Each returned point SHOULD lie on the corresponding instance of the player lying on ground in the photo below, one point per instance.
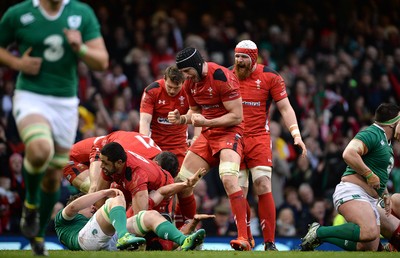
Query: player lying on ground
(74, 224)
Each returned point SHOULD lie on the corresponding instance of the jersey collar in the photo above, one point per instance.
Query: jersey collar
(37, 2)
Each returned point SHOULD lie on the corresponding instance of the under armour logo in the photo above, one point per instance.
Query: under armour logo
(161, 102)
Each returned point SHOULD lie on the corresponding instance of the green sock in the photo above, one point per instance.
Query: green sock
(347, 231)
(32, 185)
(118, 220)
(47, 201)
(169, 232)
(342, 243)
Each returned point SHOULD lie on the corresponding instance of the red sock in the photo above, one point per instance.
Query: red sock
(267, 215)
(395, 239)
(187, 206)
(248, 218)
(178, 218)
(238, 205)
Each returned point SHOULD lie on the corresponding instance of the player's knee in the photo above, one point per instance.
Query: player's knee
(243, 178)
(183, 174)
(59, 161)
(227, 168)
(85, 185)
(261, 176)
(369, 232)
(39, 147)
(143, 222)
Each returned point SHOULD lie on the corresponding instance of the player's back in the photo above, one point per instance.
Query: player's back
(137, 142)
(80, 151)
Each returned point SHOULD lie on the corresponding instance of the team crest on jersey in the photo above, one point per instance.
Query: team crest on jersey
(182, 100)
(210, 91)
(27, 18)
(258, 84)
(74, 21)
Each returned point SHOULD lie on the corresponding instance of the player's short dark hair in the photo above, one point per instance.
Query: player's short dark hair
(386, 112)
(114, 152)
(174, 74)
(168, 161)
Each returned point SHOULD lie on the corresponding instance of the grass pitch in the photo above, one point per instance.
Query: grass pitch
(198, 254)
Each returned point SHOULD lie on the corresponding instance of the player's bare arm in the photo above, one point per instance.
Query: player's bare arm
(88, 200)
(25, 64)
(144, 123)
(171, 189)
(92, 52)
(140, 201)
(289, 117)
(352, 156)
(176, 118)
(101, 185)
(233, 117)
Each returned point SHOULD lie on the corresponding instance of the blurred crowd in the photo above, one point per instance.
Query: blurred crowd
(340, 60)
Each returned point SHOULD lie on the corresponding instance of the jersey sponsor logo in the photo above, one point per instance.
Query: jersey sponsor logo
(74, 21)
(163, 120)
(161, 102)
(209, 106)
(27, 18)
(252, 103)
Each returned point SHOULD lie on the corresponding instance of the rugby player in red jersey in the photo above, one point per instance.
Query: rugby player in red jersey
(216, 106)
(259, 86)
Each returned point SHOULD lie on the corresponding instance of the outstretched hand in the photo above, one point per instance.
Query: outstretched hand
(113, 192)
(191, 181)
(203, 216)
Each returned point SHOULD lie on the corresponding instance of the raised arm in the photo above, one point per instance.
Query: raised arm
(88, 200)
(171, 189)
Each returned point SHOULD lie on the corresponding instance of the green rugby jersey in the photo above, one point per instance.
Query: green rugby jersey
(29, 26)
(380, 156)
(68, 230)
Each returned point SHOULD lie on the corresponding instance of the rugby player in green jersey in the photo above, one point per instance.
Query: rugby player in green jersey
(52, 36)
(78, 229)
(370, 159)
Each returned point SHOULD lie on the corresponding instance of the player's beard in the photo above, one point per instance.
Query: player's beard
(242, 71)
(110, 172)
